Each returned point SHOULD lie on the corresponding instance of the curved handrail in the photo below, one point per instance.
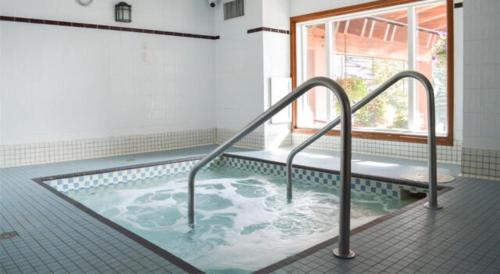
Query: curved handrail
(345, 165)
(432, 203)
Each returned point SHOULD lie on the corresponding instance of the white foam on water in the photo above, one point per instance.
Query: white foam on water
(242, 223)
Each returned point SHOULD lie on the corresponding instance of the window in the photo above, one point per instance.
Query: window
(361, 50)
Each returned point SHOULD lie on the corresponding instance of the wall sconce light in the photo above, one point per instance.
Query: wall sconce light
(123, 12)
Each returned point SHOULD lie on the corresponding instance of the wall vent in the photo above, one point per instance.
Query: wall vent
(234, 9)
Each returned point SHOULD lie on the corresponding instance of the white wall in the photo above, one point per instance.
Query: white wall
(62, 83)
(276, 13)
(301, 7)
(239, 63)
(458, 26)
(239, 96)
(245, 62)
(143, 83)
(482, 75)
(176, 15)
(276, 55)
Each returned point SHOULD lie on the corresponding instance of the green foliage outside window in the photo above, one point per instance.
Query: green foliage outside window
(396, 98)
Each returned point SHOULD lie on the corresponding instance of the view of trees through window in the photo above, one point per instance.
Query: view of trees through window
(362, 52)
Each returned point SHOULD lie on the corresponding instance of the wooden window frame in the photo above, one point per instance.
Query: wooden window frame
(387, 136)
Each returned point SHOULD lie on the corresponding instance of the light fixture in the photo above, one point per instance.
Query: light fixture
(123, 12)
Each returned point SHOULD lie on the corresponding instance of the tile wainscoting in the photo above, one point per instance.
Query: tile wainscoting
(481, 163)
(256, 139)
(50, 152)
(413, 151)
(274, 136)
(278, 135)
(71, 183)
(70, 150)
(474, 162)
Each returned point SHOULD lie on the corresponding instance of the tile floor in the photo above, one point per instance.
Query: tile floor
(55, 236)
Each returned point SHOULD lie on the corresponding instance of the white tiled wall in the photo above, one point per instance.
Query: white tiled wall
(239, 95)
(64, 83)
(75, 93)
(39, 110)
(482, 74)
(276, 55)
(481, 88)
(300, 7)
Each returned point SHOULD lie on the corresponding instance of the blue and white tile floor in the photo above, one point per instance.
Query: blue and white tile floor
(55, 236)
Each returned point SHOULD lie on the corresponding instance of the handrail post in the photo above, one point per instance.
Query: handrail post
(343, 250)
(431, 139)
(431, 144)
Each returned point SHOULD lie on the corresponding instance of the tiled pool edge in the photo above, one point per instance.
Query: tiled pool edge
(403, 183)
(113, 177)
(120, 168)
(330, 178)
(165, 254)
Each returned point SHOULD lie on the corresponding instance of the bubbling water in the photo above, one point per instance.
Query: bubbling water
(243, 223)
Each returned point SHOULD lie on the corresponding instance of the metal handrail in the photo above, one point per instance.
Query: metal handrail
(433, 202)
(345, 163)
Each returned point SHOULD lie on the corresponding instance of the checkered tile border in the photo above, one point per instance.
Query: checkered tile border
(319, 177)
(123, 176)
(66, 185)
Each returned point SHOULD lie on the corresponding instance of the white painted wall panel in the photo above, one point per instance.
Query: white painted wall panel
(481, 75)
(300, 7)
(239, 58)
(62, 83)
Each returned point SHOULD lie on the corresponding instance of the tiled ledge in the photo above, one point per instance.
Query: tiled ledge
(308, 175)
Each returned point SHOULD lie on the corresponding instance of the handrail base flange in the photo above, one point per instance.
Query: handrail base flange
(349, 256)
(438, 207)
